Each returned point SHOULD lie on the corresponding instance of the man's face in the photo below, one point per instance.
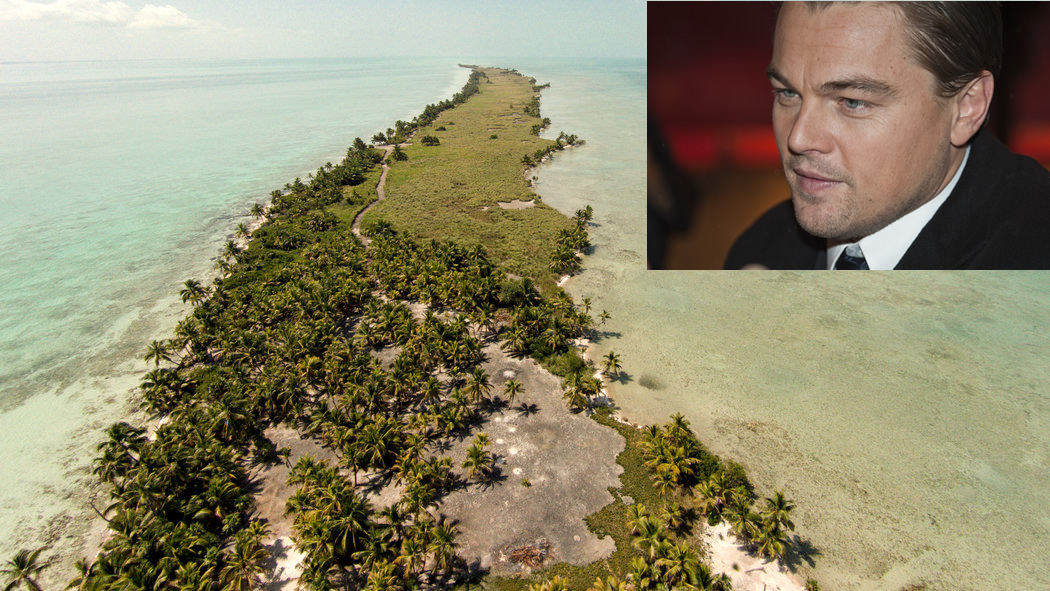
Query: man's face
(862, 136)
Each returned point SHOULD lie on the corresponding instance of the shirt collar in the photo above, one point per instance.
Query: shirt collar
(885, 248)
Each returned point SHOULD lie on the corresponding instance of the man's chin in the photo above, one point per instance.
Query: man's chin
(820, 221)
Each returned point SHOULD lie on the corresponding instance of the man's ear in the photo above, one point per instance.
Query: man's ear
(972, 105)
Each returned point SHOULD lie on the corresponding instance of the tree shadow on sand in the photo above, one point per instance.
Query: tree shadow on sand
(275, 578)
(528, 409)
(495, 405)
(600, 335)
(493, 476)
(800, 551)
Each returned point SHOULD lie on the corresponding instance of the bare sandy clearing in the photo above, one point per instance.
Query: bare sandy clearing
(569, 462)
(517, 204)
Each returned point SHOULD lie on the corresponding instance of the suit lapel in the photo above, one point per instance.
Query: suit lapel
(957, 232)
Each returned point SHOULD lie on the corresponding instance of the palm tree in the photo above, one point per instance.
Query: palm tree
(412, 556)
(381, 577)
(478, 460)
(778, 511)
(193, 292)
(478, 386)
(511, 388)
(430, 390)
(677, 429)
(158, 351)
(611, 363)
(715, 492)
(576, 391)
(679, 564)
(244, 565)
(22, 568)
(586, 305)
(642, 574)
(635, 514)
(676, 516)
(771, 540)
(649, 536)
(739, 515)
(443, 545)
(376, 550)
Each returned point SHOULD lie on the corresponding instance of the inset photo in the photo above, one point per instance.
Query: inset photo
(848, 136)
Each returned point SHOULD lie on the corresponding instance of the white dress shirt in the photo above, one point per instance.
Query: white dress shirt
(885, 248)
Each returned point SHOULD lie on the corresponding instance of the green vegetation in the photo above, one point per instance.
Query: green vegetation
(453, 192)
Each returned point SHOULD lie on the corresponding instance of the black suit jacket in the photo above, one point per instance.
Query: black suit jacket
(997, 217)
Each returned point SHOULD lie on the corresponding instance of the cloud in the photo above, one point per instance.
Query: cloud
(101, 12)
(162, 17)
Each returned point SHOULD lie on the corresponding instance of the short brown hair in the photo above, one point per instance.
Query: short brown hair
(954, 41)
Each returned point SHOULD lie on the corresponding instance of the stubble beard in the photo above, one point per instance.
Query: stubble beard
(840, 218)
(826, 216)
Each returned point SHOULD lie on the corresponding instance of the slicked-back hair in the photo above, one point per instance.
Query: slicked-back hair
(954, 41)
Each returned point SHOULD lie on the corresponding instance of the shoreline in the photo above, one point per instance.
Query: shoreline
(725, 553)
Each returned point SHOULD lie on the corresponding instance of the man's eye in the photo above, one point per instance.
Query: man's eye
(853, 104)
(783, 93)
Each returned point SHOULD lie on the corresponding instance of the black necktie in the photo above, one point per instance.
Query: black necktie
(851, 262)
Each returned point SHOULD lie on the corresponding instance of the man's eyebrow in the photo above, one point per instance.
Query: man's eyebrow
(866, 85)
(775, 74)
(863, 84)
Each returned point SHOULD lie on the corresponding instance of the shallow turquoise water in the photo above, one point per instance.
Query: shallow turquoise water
(118, 181)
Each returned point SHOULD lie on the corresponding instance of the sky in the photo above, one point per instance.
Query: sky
(62, 30)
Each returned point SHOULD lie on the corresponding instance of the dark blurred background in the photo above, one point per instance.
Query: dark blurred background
(713, 162)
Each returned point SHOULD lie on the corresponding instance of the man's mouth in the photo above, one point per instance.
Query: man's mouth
(812, 182)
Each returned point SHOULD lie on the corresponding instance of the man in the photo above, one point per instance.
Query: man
(877, 112)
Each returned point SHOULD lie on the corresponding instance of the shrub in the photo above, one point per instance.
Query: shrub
(565, 364)
(493, 136)
(429, 140)
(735, 476)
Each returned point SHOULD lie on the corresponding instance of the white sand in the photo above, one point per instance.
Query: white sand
(287, 559)
(751, 573)
(517, 204)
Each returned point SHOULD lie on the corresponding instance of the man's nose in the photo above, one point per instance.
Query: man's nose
(809, 131)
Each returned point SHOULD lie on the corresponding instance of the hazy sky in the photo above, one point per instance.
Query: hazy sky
(32, 30)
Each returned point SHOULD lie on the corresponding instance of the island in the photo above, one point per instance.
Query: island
(385, 387)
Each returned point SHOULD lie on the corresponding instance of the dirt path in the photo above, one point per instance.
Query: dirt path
(356, 227)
